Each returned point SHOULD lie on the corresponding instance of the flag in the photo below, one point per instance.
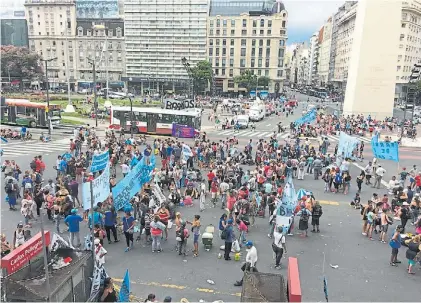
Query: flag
(4, 139)
(125, 288)
(325, 289)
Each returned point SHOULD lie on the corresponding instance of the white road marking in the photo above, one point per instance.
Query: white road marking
(269, 124)
(247, 133)
(268, 135)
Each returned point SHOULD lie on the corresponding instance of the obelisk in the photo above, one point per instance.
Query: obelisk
(371, 80)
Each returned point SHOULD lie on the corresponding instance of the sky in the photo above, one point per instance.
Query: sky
(307, 16)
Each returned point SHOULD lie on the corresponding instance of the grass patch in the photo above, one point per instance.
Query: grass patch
(76, 114)
(72, 122)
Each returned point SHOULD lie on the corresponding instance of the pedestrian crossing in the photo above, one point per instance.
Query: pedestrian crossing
(267, 134)
(34, 147)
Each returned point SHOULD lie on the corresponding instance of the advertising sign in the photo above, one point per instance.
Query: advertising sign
(182, 131)
(24, 253)
(179, 104)
(97, 9)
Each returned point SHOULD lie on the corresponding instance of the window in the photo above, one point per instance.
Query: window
(216, 61)
(261, 42)
(244, 32)
(269, 32)
(281, 42)
(242, 62)
(253, 62)
(232, 42)
(283, 24)
(268, 42)
(232, 22)
(218, 23)
(243, 52)
(281, 53)
(269, 23)
(223, 71)
(211, 23)
(262, 32)
(282, 32)
(266, 72)
(216, 71)
(211, 32)
(254, 32)
(118, 32)
(259, 72)
(224, 23)
(224, 51)
(243, 42)
(218, 32)
(268, 52)
(231, 52)
(224, 32)
(253, 42)
(210, 51)
(217, 52)
(280, 62)
(280, 72)
(403, 25)
(231, 74)
(224, 62)
(262, 23)
(259, 63)
(88, 33)
(232, 32)
(211, 42)
(217, 42)
(254, 23)
(231, 62)
(230, 83)
(253, 52)
(244, 22)
(267, 63)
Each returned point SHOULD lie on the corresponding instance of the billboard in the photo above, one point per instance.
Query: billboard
(97, 9)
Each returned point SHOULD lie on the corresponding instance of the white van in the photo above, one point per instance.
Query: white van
(256, 113)
(243, 121)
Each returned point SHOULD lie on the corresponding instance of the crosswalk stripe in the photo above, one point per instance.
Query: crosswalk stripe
(268, 135)
(224, 132)
(256, 134)
(262, 134)
(247, 133)
(284, 135)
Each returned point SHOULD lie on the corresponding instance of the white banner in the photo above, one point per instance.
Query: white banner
(101, 189)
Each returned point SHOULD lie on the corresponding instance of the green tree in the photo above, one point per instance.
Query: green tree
(264, 81)
(247, 80)
(202, 76)
(20, 63)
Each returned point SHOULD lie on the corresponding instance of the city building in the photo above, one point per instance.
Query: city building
(299, 66)
(325, 40)
(158, 34)
(14, 30)
(102, 40)
(313, 59)
(247, 35)
(51, 33)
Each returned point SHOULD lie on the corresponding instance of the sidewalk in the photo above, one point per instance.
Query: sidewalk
(90, 121)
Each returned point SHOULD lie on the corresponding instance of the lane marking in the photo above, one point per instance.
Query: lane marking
(325, 202)
(268, 135)
(178, 287)
(247, 133)
(269, 124)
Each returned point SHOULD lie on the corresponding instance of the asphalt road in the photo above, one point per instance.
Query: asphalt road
(363, 265)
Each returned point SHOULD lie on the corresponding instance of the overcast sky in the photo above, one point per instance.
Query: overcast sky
(305, 16)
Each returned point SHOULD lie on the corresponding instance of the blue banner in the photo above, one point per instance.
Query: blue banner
(286, 205)
(346, 146)
(99, 162)
(132, 183)
(307, 118)
(124, 294)
(385, 150)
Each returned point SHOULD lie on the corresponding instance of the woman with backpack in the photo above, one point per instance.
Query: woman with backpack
(181, 236)
(304, 215)
(12, 192)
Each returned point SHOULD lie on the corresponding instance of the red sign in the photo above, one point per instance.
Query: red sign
(24, 253)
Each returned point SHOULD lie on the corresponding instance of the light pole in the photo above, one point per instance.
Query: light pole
(93, 62)
(69, 107)
(104, 50)
(131, 117)
(257, 84)
(188, 68)
(415, 75)
(48, 94)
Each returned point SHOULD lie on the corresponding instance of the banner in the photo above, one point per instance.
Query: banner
(307, 118)
(99, 162)
(100, 187)
(96, 283)
(124, 294)
(58, 242)
(287, 205)
(346, 146)
(385, 150)
(182, 131)
(132, 183)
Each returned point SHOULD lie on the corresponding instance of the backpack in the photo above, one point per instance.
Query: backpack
(38, 178)
(8, 188)
(28, 185)
(179, 235)
(32, 165)
(304, 217)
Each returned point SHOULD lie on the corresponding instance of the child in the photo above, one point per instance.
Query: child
(357, 201)
(242, 227)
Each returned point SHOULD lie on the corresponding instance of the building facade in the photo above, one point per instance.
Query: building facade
(158, 34)
(299, 66)
(324, 53)
(51, 33)
(313, 59)
(14, 32)
(244, 38)
(102, 40)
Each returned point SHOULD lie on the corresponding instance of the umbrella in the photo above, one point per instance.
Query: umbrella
(301, 193)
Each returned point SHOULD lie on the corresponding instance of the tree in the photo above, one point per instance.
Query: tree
(202, 75)
(20, 63)
(249, 80)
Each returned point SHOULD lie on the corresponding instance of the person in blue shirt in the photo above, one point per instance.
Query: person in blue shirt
(97, 218)
(73, 222)
(63, 166)
(110, 219)
(128, 228)
(229, 238)
(27, 184)
(147, 153)
(134, 161)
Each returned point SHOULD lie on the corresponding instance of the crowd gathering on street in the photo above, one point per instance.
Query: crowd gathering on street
(246, 182)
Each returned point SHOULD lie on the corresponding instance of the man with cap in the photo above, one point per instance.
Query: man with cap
(73, 221)
(100, 252)
(251, 260)
(229, 238)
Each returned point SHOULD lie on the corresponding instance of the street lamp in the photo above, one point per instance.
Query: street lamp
(69, 107)
(415, 76)
(48, 95)
(93, 62)
(131, 117)
(188, 68)
(105, 49)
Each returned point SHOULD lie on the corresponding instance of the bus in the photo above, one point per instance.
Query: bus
(22, 112)
(153, 120)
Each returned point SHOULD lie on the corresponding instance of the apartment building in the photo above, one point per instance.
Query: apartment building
(247, 35)
(299, 66)
(325, 41)
(313, 59)
(51, 33)
(158, 34)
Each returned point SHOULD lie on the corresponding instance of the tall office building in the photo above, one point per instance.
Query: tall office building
(247, 35)
(158, 34)
(313, 59)
(14, 30)
(325, 41)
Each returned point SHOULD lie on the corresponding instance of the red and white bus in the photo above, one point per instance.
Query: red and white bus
(154, 120)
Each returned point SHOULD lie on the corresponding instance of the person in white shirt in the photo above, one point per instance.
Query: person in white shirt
(380, 171)
(251, 260)
(278, 245)
(125, 169)
(100, 252)
(393, 184)
(223, 187)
